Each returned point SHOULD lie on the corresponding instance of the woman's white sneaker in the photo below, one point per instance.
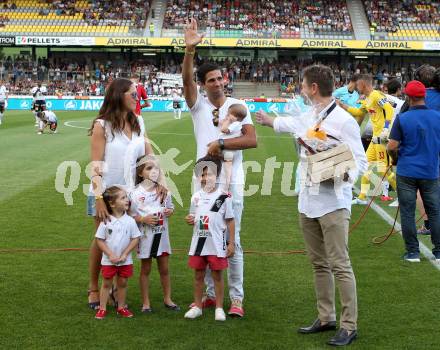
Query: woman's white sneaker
(220, 314)
(194, 312)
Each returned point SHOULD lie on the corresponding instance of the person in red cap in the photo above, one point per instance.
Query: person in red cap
(415, 137)
(416, 89)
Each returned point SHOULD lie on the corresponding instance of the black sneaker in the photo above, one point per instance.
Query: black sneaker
(412, 257)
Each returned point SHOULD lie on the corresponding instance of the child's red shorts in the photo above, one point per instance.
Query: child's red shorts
(109, 271)
(214, 262)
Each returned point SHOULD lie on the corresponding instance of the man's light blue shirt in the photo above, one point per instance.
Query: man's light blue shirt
(343, 95)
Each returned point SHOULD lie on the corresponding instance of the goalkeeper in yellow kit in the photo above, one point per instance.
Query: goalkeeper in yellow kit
(381, 114)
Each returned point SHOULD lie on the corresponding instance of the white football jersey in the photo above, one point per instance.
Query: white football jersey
(38, 93)
(155, 240)
(117, 234)
(396, 102)
(50, 117)
(210, 212)
(176, 96)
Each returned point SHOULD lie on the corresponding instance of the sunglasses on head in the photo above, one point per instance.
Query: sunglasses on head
(215, 116)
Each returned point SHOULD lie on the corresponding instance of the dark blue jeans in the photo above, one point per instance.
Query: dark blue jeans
(407, 193)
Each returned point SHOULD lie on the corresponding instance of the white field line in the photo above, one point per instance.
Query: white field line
(426, 252)
(69, 124)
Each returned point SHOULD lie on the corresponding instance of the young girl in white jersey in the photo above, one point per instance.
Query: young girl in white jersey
(152, 218)
(116, 238)
(211, 214)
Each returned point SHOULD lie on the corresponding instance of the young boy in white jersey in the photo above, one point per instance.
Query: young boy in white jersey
(46, 118)
(212, 216)
(230, 127)
(116, 238)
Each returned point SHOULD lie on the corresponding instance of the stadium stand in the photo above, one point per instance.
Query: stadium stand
(74, 18)
(404, 20)
(278, 74)
(90, 76)
(272, 19)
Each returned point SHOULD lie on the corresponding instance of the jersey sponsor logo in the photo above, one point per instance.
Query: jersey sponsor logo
(382, 101)
(203, 226)
(160, 219)
(158, 228)
(204, 222)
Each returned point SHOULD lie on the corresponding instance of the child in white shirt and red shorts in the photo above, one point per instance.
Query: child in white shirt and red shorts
(211, 214)
(116, 238)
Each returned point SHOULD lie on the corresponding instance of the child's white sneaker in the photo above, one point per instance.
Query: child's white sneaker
(220, 314)
(194, 312)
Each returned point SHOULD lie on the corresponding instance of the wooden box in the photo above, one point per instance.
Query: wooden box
(329, 164)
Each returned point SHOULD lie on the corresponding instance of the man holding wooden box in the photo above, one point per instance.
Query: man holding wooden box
(325, 206)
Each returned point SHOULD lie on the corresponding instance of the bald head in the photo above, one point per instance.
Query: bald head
(238, 110)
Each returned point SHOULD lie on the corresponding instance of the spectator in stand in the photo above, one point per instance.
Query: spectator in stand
(271, 19)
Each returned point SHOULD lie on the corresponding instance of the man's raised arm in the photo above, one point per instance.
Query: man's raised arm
(192, 39)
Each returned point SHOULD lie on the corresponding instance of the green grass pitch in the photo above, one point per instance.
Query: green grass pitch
(43, 293)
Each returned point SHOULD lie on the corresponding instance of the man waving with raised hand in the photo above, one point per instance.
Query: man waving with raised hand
(207, 112)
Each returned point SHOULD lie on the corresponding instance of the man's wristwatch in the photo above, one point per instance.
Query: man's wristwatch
(221, 142)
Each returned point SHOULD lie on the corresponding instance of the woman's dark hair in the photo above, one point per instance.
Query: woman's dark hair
(110, 195)
(204, 69)
(114, 106)
(205, 162)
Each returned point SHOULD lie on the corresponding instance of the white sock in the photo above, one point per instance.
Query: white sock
(1, 117)
(179, 113)
(385, 187)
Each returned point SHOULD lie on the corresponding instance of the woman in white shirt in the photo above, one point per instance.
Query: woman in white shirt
(118, 138)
